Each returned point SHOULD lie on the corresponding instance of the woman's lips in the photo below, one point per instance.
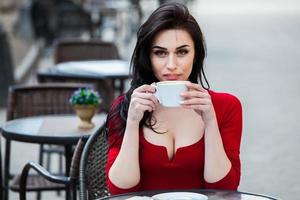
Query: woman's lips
(171, 77)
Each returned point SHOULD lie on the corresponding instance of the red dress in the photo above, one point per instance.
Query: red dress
(185, 170)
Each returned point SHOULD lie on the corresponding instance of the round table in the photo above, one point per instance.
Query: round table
(115, 70)
(49, 129)
(211, 194)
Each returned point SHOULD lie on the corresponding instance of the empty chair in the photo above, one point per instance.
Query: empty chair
(79, 50)
(71, 20)
(34, 100)
(70, 181)
(41, 99)
(41, 18)
(52, 19)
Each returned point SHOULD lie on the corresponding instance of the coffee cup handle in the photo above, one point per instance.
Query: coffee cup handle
(156, 92)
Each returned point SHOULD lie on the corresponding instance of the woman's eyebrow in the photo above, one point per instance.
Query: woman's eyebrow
(180, 47)
(158, 47)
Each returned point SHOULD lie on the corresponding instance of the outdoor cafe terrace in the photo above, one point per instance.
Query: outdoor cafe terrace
(68, 45)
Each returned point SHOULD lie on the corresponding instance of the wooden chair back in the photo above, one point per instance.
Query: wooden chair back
(79, 50)
(41, 99)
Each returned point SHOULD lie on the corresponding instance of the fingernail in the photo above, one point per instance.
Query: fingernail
(181, 102)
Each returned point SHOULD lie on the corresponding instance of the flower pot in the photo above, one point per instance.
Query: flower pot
(85, 113)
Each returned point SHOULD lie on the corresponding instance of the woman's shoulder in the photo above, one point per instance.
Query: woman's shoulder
(224, 101)
(116, 102)
(227, 106)
(114, 121)
(114, 112)
(223, 98)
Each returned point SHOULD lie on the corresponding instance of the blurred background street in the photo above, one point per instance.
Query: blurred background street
(253, 52)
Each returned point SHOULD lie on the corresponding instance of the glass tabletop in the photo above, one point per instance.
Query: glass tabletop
(52, 129)
(95, 67)
(192, 195)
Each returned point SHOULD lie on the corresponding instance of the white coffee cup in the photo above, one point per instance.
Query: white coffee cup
(168, 92)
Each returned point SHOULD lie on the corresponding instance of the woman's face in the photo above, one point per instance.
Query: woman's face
(172, 55)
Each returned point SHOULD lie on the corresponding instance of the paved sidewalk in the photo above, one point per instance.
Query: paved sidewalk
(254, 53)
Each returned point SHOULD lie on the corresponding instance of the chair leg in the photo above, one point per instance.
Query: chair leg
(48, 160)
(38, 197)
(41, 157)
(6, 169)
(48, 164)
(1, 179)
(61, 163)
(60, 168)
(41, 160)
(74, 190)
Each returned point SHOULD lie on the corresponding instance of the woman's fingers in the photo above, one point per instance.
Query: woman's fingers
(195, 91)
(143, 107)
(145, 102)
(143, 98)
(145, 89)
(201, 108)
(197, 87)
(196, 101)
(196, 98)
(149, 96)
(199, 99)
(195, 94)
(145, 92)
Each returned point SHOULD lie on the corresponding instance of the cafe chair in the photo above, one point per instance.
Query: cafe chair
(40, 99)
(59, 19)
(92, 175)
(70, 20)
(34, 100)
(79, 50)
(70, 182)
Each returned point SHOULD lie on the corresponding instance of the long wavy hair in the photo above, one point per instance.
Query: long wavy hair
(168, 16)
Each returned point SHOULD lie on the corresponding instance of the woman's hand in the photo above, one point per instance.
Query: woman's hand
(198, 98)
(142, 99)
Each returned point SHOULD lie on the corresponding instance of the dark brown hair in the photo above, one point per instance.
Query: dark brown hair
(167, 16)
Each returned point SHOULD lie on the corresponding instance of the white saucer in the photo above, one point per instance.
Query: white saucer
(180, 196)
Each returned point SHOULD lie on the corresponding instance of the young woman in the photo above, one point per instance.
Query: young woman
(153, 147)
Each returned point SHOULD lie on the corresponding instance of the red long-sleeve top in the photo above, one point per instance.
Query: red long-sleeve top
(185, 170)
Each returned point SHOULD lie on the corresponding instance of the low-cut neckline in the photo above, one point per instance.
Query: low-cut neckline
(166, 150)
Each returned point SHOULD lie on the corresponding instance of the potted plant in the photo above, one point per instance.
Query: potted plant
(85, 102)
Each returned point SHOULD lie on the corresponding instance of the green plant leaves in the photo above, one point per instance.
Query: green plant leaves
(85, 96)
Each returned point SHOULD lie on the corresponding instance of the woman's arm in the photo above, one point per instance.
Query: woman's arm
(229, 117)
(218, 162)
(125, 170)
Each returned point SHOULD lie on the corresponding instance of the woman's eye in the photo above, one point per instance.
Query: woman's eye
(160, 53)
(182, 52)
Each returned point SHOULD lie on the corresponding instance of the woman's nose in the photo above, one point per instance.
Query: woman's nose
(171, 62)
